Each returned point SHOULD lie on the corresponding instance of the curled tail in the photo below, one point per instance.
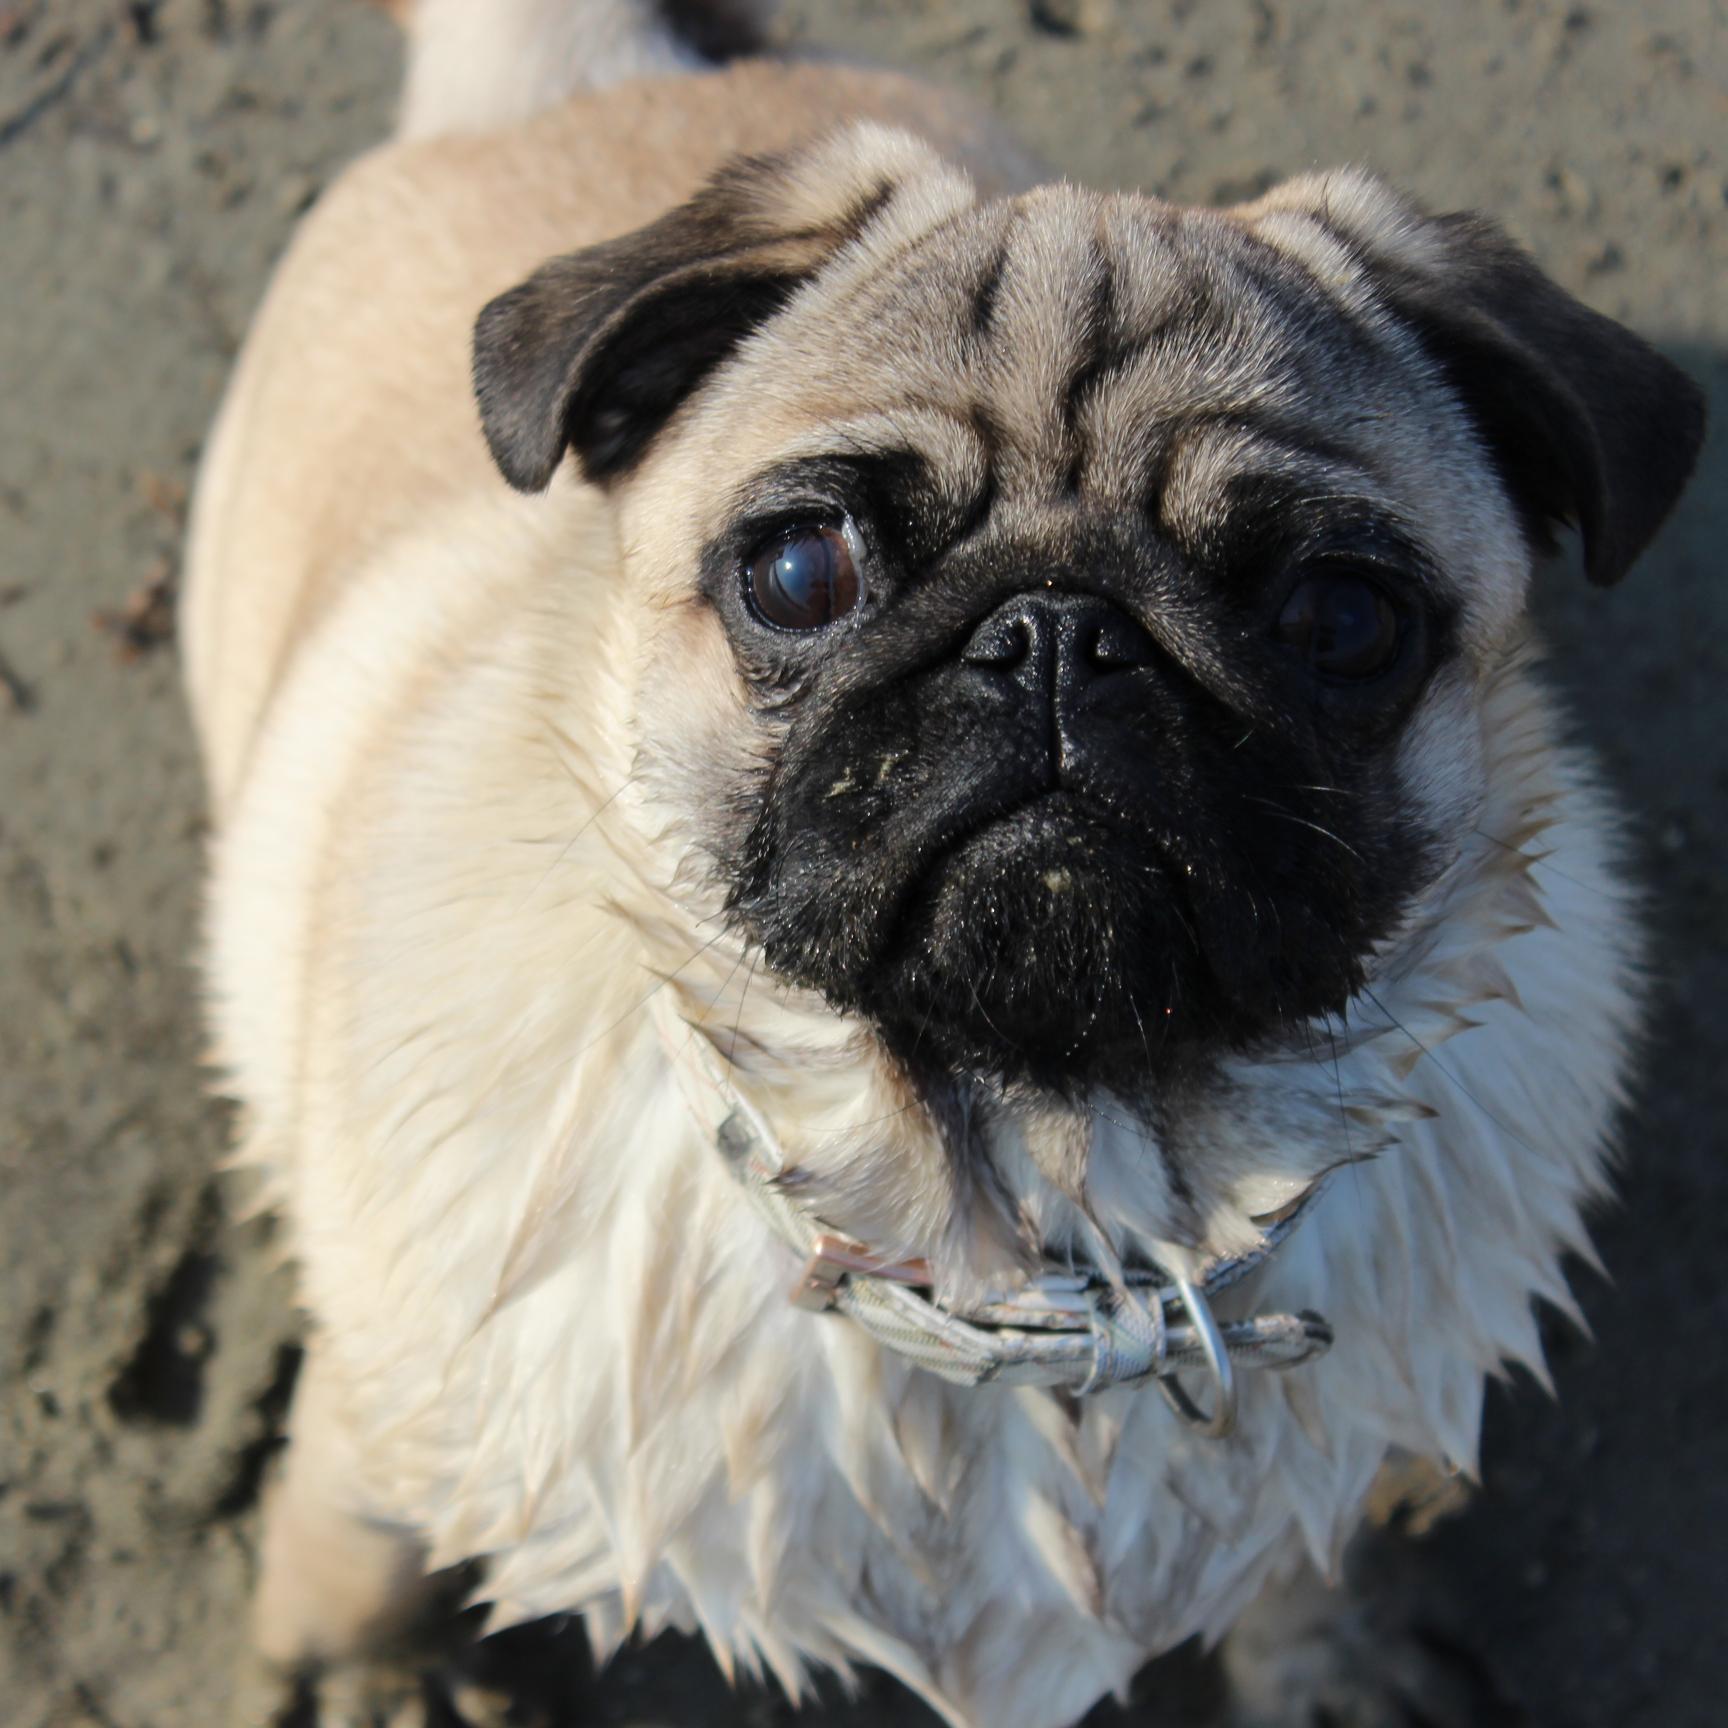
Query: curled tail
(477, 64)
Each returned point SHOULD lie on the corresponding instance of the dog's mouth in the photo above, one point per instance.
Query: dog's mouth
(1011, 947)
(1112, 921)
(1048, 833)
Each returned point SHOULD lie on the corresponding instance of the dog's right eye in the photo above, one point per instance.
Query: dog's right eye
(804, 580)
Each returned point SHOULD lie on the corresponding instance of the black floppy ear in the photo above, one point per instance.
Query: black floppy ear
(597, 349)
(1587, 424)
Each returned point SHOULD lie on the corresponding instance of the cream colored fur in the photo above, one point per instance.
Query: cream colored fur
(475, 67)
(455, 968)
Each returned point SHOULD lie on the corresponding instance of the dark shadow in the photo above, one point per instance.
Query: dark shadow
(1591, 1570)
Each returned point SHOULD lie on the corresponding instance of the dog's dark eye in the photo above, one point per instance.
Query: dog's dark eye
(804, 580)
(1341, 624)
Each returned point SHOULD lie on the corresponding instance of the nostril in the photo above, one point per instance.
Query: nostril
(1002, 642)
(1116, 644)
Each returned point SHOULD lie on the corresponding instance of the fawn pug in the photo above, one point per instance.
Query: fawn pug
(956, 748)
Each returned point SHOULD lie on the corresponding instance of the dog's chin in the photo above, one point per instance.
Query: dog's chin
(1041, 949)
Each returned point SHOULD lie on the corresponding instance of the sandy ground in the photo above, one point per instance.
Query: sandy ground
(153, 157)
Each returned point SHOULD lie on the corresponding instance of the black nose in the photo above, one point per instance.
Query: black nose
(1054, 645)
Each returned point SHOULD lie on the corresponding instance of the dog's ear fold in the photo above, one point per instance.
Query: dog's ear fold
(597, 349)
(1587, 424)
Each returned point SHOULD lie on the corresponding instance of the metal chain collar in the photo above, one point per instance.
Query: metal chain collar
(1076, 1330)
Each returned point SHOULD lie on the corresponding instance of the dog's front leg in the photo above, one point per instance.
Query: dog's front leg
(340, 1590)
(1355, 1654)
(336, 1581)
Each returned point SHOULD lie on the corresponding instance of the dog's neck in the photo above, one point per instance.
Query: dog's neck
(983, 1183)
(1080, 1320)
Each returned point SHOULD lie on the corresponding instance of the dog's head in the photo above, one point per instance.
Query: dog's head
(1062, 619)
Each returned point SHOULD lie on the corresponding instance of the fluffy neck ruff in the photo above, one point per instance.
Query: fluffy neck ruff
(773, 1478)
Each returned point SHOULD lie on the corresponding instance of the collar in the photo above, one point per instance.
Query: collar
(1076, 1329)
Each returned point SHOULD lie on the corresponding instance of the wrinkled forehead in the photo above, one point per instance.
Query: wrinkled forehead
(1066, 350)
(1088, 337)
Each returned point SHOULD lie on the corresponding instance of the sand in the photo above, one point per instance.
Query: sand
(153, 158)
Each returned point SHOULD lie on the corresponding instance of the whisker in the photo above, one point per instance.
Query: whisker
(1187, 928)
(1448, 1076)
(1537, 862)
(1133, 1128)
(1145, 1042)
(599, 810)
(1353, 1166)
(978, 1003)
(637, 1006)
(738, 1018)
(868, 1122)
(1302, 821)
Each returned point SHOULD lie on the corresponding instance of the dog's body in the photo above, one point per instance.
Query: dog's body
(462, 951)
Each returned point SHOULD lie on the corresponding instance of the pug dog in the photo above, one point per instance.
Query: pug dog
(899, 919)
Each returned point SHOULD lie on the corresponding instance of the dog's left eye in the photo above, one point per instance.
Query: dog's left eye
(1341, 624)
(804, 580)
